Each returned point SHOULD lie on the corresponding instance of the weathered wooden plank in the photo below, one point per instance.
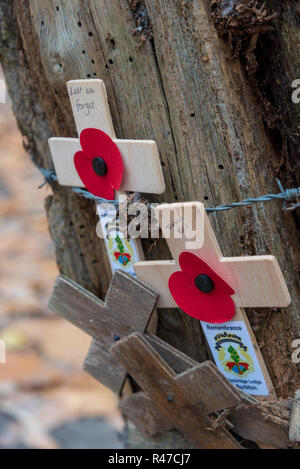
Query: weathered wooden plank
(140, 410)
(294, 432)
(170, 396)
(177, 360)
(205, 387)
(194, 376)
(265, 423)
(102, 367)
(128, 308)
(153, 423)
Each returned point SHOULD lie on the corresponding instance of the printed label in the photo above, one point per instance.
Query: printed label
(235, 357)
(122, 252)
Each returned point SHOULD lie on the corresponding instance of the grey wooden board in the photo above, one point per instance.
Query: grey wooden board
(194, 376)
(172, 399)
(100, 364)
(176, 359)
(252, 423)
(294, 432)
(248, 418)
(140, 409)
(128, 308)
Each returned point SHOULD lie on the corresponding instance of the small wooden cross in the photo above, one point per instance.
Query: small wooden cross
(185, 400)
(142, 168)
(128, 308)
(257, 281)
(90, 107)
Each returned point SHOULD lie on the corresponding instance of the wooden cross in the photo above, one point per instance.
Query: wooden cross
(257, 281)
(90, 107)
(185, 400)
(128, 308)
(207, 389)
(141, 160)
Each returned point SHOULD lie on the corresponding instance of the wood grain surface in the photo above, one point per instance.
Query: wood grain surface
(128, 307)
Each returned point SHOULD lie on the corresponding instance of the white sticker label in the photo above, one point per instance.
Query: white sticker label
(122, 252)
(235, 356)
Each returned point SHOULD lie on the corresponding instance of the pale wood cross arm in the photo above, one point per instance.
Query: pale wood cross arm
(257, 280)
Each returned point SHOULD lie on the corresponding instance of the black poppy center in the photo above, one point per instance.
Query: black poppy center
(99, 166)
(204, 283)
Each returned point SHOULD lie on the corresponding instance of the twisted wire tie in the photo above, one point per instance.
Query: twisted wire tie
(288, 195)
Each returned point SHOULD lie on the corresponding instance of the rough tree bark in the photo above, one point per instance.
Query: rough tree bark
(216, 97)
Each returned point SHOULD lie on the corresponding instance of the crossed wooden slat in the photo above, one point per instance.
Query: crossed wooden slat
(184, 400)
(199, 387)
(177, 392)
(128, 307)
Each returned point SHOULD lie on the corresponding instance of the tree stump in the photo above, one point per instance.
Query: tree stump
(218, 104)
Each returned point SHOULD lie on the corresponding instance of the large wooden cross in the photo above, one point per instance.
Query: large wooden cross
(128, 308)
(185, 400)
(142, 168)
(174, 385)
(257, 281)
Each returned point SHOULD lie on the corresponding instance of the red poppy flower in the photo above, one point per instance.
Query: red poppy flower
(200, 292)
(99, 164)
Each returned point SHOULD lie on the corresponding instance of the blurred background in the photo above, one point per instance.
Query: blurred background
(46, 401)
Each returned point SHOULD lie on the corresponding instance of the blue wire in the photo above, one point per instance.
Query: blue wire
(288, 195)
(50, 176)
